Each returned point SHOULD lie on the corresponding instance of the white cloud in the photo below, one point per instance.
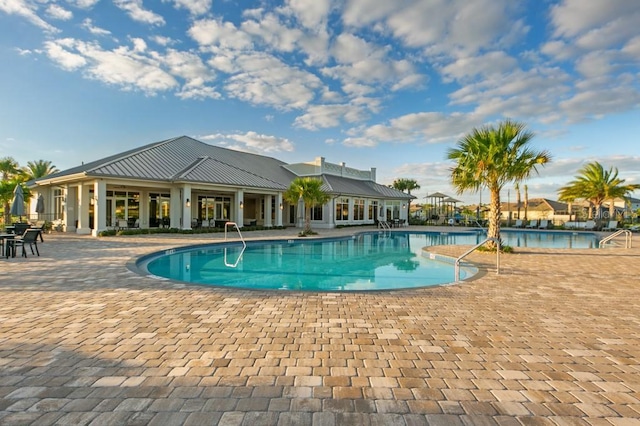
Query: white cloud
(58, 12)
(87, 24)
(594, 103)
(449, 27)
(273, 32)
(83, 4)
(312, 14)
(208, 32)
(632, 48)
(265, 80)
(28, 11)
(423, 127)
(490, 64)
(251, 142)
(136, 12)
(195, 7)
(574, 17)
(125, 68)
(326, 116)
(67, 60)
(162, 40)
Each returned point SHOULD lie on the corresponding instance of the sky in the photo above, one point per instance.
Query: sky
(371, 83)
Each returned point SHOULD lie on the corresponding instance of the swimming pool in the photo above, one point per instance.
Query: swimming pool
(364, 262)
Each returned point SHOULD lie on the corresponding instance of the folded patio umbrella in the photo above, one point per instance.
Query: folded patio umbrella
(40, 204)
(17, 206)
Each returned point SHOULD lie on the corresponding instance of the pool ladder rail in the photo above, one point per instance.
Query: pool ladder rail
(627, 238)
(471, 250)
(244, 245)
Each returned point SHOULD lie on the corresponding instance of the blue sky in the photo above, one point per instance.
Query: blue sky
(372, 83)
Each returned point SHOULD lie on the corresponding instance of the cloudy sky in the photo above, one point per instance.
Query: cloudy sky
(372, 83)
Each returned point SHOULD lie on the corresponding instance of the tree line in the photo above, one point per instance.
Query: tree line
(12, 175)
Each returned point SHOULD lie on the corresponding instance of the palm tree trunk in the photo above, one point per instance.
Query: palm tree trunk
(307, 219)
(494, 217)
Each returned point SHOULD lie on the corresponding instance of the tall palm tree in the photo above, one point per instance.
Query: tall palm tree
(310, 191)
(9, 171)
(39, 168)
(517, 187)
(408, 185)
(526, 201)
(492, 157)
(597, 185)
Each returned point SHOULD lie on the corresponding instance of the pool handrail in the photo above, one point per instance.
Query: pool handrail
(627, 238)
(472, 249)
(244, 245)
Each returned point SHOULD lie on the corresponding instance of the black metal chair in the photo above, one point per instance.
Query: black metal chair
(29, 237)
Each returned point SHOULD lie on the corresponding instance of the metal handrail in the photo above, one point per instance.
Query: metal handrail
(244, 245)
(383, 224)
(472, 249)
(627, 238)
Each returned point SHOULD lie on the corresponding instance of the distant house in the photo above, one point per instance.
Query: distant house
(185, 183)
(537, 209)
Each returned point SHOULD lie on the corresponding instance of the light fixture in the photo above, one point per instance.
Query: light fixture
(188, 202)
(281, 206)
(241, 205)
(404, 206)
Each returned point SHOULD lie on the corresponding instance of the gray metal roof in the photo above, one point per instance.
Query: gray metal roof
(181, 159)
(184, 159)
(346, 186)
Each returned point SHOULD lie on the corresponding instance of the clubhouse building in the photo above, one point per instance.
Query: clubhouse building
(184, 183)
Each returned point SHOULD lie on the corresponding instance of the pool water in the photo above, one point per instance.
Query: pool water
(367, 261)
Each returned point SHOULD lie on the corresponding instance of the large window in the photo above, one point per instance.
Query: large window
(123, 205)
(342, 209)
(58, 202)
(214, 208)
(373, 210)
(316, 212)
(358, 209)
(159, 210)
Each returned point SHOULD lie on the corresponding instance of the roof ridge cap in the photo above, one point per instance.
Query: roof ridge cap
(197, 162)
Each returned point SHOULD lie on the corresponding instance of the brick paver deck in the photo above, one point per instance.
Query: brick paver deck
(553, 340)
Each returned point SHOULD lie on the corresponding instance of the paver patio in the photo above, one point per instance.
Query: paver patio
(554, 339)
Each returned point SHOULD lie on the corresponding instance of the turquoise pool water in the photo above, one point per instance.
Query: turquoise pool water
(367, 261)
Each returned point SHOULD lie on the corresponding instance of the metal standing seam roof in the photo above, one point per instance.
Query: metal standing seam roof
(186, 160)
(342, 185)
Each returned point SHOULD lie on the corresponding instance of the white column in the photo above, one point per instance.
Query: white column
(175, 211)
(268, 212)
(99, 207)
(144, 210)
(187, 202)
(239, 219)
(279, 208)
(83, 210)
(71, 198)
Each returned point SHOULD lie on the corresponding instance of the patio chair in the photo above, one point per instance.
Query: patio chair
(533, 224)
(30, 237)
(590, 225)
(612, 226)
(518, 224)
(544, 224)
(20, 227)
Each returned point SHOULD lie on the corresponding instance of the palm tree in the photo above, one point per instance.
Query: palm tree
(526, 201)
(39, 168)
(596, 185)
(517, 187)
(310, 191)
(406, 185)
(493, 156)
(10, 171)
